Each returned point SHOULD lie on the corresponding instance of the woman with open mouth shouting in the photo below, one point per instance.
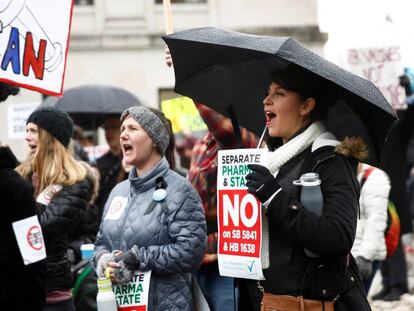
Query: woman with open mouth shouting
(154, 220)
(306, 257)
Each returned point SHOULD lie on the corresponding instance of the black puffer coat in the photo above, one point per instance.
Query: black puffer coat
(22, 287)
(67, 218)
(292, 228)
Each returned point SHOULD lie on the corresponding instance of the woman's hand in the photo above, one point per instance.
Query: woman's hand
(111, 271)
(261, 183)
(122, 269)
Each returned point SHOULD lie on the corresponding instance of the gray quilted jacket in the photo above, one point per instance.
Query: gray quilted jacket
(168, 239)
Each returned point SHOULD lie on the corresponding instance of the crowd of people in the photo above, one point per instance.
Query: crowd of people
(142, 214)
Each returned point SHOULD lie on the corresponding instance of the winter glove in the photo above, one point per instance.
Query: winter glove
(7, 157)
(261, 183)
(128, 263)
(103, 263)
(405, 82)
(364, 266)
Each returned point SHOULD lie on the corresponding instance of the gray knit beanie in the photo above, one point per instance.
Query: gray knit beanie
(151, 123)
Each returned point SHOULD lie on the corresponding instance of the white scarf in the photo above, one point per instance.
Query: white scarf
(275, 160)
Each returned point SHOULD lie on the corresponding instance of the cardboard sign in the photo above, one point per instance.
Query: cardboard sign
(29, 238)
(239, 215)
(34, 39)
(133, 296)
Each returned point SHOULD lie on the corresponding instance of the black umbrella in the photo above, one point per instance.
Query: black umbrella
(229, 72)
(88, 105)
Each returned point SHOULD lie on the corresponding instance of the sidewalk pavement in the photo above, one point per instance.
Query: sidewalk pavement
(406, 303)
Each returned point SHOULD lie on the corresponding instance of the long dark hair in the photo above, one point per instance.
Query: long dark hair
(307, 85)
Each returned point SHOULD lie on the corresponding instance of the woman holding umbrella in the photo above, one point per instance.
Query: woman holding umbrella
(295, 107)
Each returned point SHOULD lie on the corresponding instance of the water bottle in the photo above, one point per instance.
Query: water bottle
(311, 197)
(105, 300)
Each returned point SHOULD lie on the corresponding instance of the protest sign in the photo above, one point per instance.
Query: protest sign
(34, 39)
(17, 115)
(30, 240)
(239, 215)
(382, 66)
(133, 296)
(184, 116)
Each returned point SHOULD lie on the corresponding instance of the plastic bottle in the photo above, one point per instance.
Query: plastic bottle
(311, 197)
(105, 300)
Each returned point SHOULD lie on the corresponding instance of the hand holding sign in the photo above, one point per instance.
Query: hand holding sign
(260, 182)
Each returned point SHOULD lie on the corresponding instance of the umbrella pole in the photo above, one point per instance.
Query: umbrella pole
(261, 138)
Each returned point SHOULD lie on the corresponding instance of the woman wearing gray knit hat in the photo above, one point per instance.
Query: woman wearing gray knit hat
(154, 220)
(64, 189)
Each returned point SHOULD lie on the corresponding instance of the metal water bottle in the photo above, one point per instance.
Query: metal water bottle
(311, 197)
(105, 300)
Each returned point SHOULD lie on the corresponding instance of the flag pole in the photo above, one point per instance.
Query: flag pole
(168, 17)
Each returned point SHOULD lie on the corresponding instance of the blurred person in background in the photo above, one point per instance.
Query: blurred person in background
(78, 143)
(22, 287)
(163, 234)
(64, 189)
(110, 165)
(369, 247)
(394, 164)
(219, 291)
(184, 148)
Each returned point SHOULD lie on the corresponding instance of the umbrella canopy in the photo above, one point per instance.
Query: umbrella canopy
(230, 72)
(88, 105)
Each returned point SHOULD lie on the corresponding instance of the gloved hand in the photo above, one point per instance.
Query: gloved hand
(127, 264)
(364, 266)
(103, 263)
(261, 183)
(405, 82)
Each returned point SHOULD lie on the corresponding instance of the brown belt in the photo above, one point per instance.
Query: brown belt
(272, 302)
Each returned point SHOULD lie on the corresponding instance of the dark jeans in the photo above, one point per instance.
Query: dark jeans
(219, 291)
(394, 271)
(66, 305)
(368, 281)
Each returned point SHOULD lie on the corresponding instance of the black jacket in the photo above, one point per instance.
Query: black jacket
(293, 228)
(394, 163)
(22, 287)
(111, 171)
(68, 219)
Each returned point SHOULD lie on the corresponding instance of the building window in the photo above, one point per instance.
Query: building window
(83, 2)
(182, 1)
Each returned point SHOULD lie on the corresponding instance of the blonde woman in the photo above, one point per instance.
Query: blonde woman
(63, 189)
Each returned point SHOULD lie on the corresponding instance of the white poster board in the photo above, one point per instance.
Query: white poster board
(239, 215)
(381, 65)
(34, 38)
(17, 115)
(30, 240)
(133, 296)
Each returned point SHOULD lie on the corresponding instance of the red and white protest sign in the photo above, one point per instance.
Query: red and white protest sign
(34, 38)
(239, 215)
(29, 238)
(133, 296)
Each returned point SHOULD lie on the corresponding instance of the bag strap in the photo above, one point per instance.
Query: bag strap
(367, 172)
